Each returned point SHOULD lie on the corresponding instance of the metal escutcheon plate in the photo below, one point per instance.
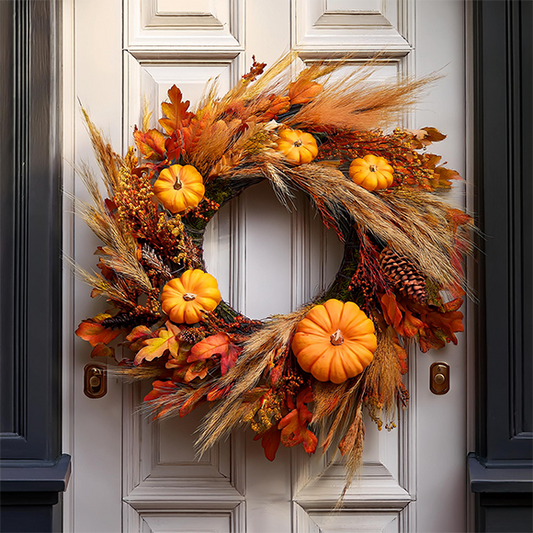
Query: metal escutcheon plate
(439, 378)
(94, 380)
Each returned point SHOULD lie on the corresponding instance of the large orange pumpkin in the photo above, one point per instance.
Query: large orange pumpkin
(184, 298)
(179, 187)
(297, 146)
(371, 172)
(335, 341)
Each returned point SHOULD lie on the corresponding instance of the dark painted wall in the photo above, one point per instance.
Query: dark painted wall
(33, 471)
(501, 467)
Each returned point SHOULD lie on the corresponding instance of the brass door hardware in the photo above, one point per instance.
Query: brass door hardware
(94, 381)
(439, 378)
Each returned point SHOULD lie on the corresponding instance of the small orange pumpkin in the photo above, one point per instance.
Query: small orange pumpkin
(297, 146)
(184, 298)
(371, 172)
(179, 187)
(335, 341)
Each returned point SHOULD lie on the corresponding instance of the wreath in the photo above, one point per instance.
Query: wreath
(308, 375)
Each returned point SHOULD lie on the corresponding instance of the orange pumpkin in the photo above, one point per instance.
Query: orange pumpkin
(297, 146)
(184, 298)
(335, 341)
(179, 187)
(371, 172)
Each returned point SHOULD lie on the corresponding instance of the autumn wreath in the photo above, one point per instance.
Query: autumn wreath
(308, 374)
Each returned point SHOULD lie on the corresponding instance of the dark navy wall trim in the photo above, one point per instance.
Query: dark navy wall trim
(501, 467)
(33, 471)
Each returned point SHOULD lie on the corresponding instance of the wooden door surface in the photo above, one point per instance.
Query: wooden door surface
(130, 474)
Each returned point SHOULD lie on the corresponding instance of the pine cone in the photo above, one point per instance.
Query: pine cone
(191, 335)
(152, 260)
(404, 275)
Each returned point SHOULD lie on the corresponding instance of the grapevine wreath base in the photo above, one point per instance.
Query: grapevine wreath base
(306, 376)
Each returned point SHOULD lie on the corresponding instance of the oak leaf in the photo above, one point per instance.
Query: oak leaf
(137, 336)
(157, 346)
(176, 114)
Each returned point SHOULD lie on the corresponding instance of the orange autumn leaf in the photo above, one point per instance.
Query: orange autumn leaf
(270, 440)
(294, 426)
(102, 350)
(217, 393)
(197, 370)
(391, 311)
(427, 135)
(137, 336)
(218, 344)
(175, 112)
(151, 144)
(303, 90)
(91, 330)
(160, 388)
(410, 325)
(194, 131)
(180, 357)
(277, 105)
(212, 345)
(443, 177)
(157, 346)
(432, 160)
(193, 401)
(189, 371)
(448, 323)
(293, 432)
(401, 353)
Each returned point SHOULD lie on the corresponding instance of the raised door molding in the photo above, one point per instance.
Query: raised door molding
(148, 78)
(210, 517)
(160, 474)
(363, 28)
(325, 521)
(210, 25)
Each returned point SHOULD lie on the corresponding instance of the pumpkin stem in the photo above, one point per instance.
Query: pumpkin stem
(336, 339)
(298, 143)
(189, 296)
(178, 185)
(373, 168)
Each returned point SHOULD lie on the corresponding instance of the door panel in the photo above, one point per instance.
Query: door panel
(268, 260)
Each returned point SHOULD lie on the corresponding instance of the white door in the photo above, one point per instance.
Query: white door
(133, 475)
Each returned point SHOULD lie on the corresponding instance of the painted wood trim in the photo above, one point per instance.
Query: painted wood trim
(25, 476)
(33, 219)
(503, 139)
(498, 480)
